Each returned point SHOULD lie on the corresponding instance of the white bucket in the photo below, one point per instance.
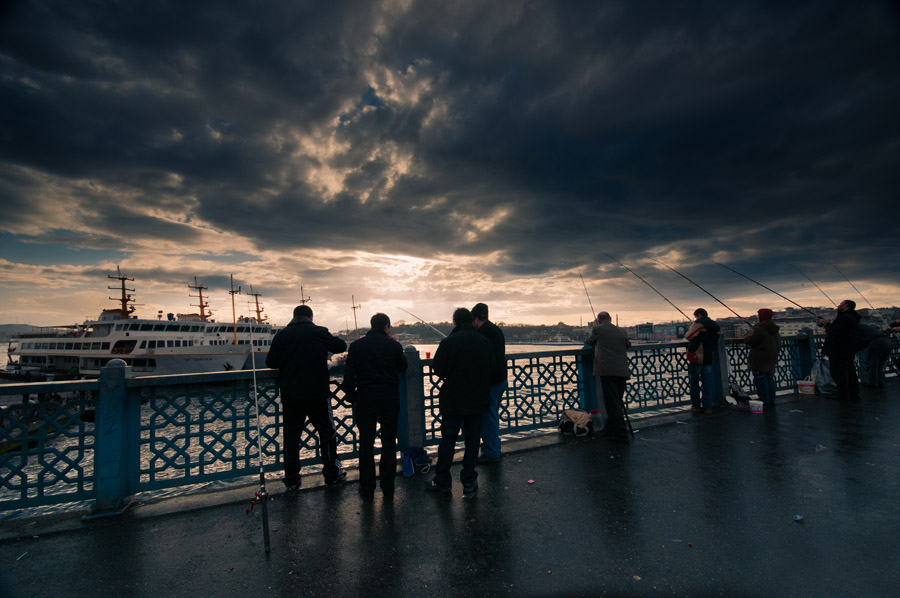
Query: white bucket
(806, 387)
(756, 406)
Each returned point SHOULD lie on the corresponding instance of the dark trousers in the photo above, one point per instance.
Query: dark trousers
(295, 416)
(844, 373)
(450, 426)
(613, 397)
(877, 354)
(367, 417)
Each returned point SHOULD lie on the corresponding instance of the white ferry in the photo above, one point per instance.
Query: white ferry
(180, 344)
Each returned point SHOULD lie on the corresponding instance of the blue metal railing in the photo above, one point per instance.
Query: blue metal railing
(107, 439)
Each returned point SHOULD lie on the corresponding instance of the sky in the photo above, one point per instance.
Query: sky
(421, 156)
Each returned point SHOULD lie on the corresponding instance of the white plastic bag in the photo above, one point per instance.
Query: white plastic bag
(821, 375)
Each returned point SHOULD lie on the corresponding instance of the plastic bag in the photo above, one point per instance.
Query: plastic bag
(821, 375)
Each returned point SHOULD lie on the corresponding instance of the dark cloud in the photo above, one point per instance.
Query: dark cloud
(767, 132)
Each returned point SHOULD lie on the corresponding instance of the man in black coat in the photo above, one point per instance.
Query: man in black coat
(372, 385)
(464, 360)
(490, 422)
(841, 340)
(300, 353)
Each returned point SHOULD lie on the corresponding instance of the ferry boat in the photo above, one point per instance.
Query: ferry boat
(180, 344)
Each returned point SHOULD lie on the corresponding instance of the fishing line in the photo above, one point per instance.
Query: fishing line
(704, 290)
(814, 283)
(585, 290)
(817, 316)
(872, 307)
(262, 496)
(423, 321)
(666, 299)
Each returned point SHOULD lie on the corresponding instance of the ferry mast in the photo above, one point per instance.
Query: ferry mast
(259, 317)
(203, 304)
(126, 310)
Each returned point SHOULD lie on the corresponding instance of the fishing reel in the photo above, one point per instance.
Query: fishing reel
(261, 495)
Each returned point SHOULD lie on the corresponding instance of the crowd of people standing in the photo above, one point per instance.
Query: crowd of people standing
(471, 361)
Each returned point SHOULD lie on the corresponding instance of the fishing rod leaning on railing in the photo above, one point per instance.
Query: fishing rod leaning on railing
(814, 314)
(704, 290)
(666, 299)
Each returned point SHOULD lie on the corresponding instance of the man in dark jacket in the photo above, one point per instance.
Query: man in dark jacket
(764, 342)
(841, 340)
(372, 385)
(703, 341)
(464, 360)
(490, 423)
(300, 353)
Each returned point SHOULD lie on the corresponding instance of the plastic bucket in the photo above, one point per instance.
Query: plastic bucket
(806, 387)
(756, 406)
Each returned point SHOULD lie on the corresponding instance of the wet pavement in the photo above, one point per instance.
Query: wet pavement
(695, 506)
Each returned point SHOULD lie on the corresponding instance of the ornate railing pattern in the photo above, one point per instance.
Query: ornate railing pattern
(198, 428)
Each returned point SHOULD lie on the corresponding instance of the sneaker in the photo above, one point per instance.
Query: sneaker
(435, 487)
(337, 479)
(696, 410)
(470, 490)
(486, 459)
(291, 485)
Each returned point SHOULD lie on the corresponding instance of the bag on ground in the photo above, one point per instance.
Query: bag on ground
(415, 459)
(821, 375)
(575, 422)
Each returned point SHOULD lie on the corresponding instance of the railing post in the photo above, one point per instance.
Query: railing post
(806, 351)
(411, 423)
(116, 453)
(587, 396)
(720, 371)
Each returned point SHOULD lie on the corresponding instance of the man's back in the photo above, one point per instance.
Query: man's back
(300, 353)
(373, 364)
(465, 360)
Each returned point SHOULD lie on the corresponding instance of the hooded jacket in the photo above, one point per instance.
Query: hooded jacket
(465, 360)
(764, 342)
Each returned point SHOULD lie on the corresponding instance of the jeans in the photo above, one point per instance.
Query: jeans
(765, 386)
(490, 423)
(696, 373)
(450, 426)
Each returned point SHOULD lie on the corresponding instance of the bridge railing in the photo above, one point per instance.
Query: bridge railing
(109, 439)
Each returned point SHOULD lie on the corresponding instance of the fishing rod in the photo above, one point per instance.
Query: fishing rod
(704, 290)
(814, 283)
(817, 316)
(872, 307)
(262, 495)
(585, 290)
(423, 321)
(666, 299)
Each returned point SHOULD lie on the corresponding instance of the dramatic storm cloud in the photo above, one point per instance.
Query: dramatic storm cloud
(427, 155)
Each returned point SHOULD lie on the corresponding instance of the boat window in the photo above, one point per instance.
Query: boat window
(119, 326)
(184, 328)
(159, 327)
(147, 327)
(78, 346)
(143, 344)
(104, 346)
(68, 346)
(195, 329)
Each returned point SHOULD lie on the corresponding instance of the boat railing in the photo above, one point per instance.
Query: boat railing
(96, 443)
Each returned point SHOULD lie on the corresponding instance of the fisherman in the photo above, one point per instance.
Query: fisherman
(490, 424)
(764, 342)
(372, 385)
(703, 339)
(300, 353)
(841, 341)
(464, 360)
(611, 373)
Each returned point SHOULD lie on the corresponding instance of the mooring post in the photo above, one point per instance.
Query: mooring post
(116, 454)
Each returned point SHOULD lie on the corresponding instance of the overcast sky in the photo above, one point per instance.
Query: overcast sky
(429, 155)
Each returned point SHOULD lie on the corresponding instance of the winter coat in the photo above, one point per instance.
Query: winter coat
(610, 355)
(371, 372)
(764, 342)
(464, 360)
(498, 342)
(300, 353)
(842, 336)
